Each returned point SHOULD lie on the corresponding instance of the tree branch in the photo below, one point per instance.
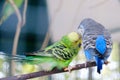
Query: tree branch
(18, 26)
(46, 40)
(45, 73)
(51, 22)
(15, 43)
(24, 12)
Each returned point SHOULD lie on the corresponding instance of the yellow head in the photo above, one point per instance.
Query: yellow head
(73, 36)
(75, 39)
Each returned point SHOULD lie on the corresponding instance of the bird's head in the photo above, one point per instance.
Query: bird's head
(81, 29)
(75, 38)
(86, 23)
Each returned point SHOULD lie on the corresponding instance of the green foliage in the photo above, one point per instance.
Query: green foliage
(9, 10)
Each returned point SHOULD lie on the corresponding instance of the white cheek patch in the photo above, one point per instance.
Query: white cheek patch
(80, 31)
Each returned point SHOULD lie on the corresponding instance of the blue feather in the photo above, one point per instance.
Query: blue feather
(100, 44)
(88, 55)
(99, 64)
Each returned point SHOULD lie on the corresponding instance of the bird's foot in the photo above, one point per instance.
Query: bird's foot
(86, 64)
(69, 68)
(106, 62)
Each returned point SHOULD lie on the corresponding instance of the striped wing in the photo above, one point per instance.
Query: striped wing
(59, 51)
(62, 52)
(89, 42)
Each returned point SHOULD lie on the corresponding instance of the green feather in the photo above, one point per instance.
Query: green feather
(59, 55)
(8, 9)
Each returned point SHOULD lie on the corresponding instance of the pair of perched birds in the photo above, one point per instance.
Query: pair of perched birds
(91, 35)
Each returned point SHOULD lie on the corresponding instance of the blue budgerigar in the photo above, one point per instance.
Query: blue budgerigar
(96, 41)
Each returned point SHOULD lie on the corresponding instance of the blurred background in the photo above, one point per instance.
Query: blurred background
(57, 18)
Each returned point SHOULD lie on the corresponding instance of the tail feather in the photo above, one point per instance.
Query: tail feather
(17, 57)
(32, 59)
(99, 64)
(13, 57)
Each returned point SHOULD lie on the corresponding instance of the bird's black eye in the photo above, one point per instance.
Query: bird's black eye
(76, 41)
(79, 45)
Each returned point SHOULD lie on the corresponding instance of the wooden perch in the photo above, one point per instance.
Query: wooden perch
(44, 73)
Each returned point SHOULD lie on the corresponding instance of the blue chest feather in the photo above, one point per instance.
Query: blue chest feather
(100, 44)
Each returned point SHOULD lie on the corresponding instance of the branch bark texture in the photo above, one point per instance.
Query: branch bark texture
(45, 73)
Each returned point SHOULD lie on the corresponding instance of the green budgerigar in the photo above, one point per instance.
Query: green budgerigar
(59, 55)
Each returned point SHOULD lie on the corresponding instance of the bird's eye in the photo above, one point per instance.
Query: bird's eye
(76, 41)
(79, 45)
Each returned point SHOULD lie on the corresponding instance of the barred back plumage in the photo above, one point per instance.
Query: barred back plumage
(60, 52)
(92, 31)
